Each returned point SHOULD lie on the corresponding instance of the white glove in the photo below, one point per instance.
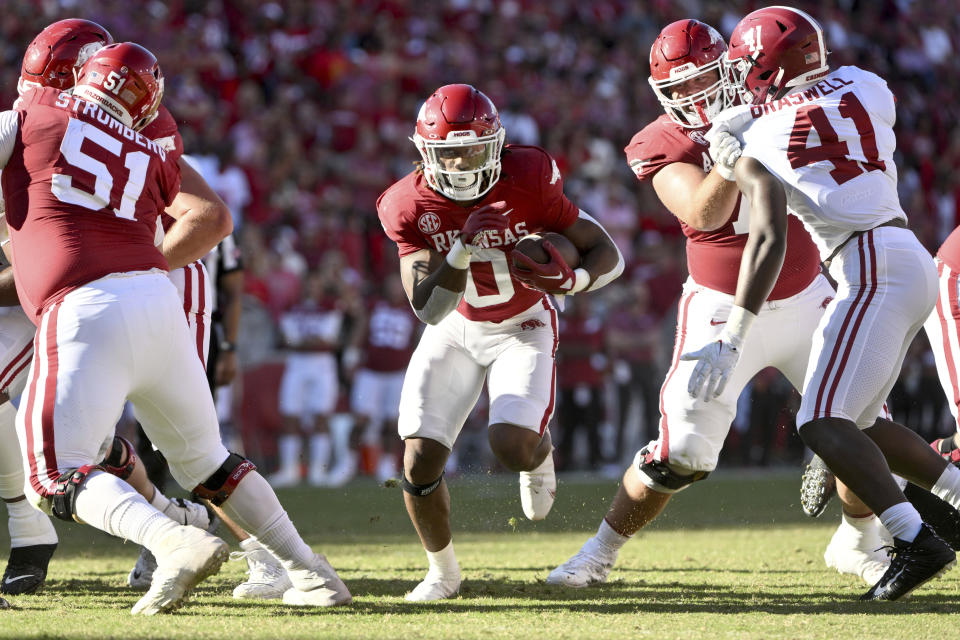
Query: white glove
(716, 362)
(725, 149)
(733, 120)
(724, 145)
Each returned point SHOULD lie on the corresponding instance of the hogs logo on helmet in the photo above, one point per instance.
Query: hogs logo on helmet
(685, 50)
(460, 139)
(53, 57)
(125, 80)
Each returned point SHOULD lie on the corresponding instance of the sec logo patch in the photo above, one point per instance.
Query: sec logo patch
(428, 222)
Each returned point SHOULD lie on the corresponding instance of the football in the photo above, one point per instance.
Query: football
(532, 247)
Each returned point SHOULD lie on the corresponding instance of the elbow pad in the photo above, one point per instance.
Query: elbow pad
(440, 303)
(604, 278)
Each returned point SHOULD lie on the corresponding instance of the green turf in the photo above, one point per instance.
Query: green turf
(731, 558)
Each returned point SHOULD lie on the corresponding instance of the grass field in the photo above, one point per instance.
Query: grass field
(732, 558)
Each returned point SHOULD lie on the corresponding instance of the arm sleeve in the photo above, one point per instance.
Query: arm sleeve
(9, 125)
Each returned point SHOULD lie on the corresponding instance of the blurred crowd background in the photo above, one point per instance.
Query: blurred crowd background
(299, 113)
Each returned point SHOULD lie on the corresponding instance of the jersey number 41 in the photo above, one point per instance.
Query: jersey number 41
(831, 148)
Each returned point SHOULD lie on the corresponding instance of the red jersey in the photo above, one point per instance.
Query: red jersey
(580, 356)
(713, 257)
(83, 193)
(390, 337)
(417, 217)
(312, 326)
(163, 130)
(950, 250)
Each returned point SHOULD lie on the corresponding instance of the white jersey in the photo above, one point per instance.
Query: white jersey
(831, 144)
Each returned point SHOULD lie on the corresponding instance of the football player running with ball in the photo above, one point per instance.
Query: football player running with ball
(455, 221)
(842, 183)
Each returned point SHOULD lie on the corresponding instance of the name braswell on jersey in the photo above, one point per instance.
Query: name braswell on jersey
(831, 145)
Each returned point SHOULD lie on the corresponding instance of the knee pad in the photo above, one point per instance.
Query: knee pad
(63, 500)
(218, 487)
(419, 490)
(661, 476)
(121, 460)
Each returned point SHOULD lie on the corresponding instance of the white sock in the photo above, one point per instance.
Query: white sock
(608, 537)
(340, 427)
(443, 561)
(110, 504)
(902, 521)
(290, 447)
(11, 464)
(250, 544)
(320, 451)
(159, 502)
(254, 506)
(947, 486)
(28, 526)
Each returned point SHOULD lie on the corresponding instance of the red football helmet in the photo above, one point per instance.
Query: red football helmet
(460, 139)
(684, 50)
(772, 50)
(55, 55)
(125, 80)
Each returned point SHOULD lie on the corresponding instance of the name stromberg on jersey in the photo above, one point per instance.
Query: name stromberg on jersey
(492, 239)
(819, 90)
(73, 103)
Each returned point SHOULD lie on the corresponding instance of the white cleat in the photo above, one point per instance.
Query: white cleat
(317, 476)
(386, 469)
(268, 579)
(590, 565)
(141, 575)
(538, 489)
(436, 586)
(857, 552)
(183, 512)
(185, 557)
(318, 586)
(286, 477)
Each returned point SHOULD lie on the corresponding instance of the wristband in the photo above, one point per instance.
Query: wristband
(458, 257)
(226, 345)
(581, 280)
(738, 324)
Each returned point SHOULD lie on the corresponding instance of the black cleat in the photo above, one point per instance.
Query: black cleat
(913, 564)
(939, 514)
(26, 569)
(817, 486)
